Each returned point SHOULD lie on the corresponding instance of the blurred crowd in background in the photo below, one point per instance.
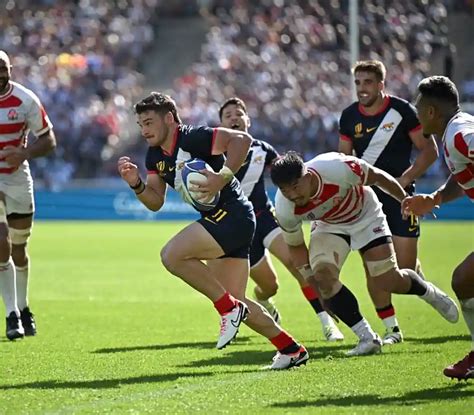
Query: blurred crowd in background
(288, 59)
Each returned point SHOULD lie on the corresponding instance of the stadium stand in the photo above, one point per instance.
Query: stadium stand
(288, 59)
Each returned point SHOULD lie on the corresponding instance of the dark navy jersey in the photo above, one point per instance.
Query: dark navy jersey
(381, 139)
(190, 142)
(251, 174)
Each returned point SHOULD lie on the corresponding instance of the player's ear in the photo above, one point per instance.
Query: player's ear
(169, 119)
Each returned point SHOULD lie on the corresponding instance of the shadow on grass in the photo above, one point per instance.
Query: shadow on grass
(438, 339)
(104, 383)
(451, 392)
(192, 345)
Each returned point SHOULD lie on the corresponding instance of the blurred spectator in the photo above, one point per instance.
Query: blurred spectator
(81, 57)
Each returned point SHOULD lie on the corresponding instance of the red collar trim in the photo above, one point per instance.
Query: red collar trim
(384, 106)
(173, 145)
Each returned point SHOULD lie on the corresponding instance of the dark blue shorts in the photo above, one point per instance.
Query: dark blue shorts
(410, 227)
(232, 226)
(266, 223)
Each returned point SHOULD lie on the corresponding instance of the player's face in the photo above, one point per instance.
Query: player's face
(235, 117)
(426, 116)
(299, 192)
(368, 88)
(5, 74)
(153, 127)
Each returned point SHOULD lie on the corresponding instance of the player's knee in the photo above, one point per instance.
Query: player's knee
(326, 276)
(169, 259)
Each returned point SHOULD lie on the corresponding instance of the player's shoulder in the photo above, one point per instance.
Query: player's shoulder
(351, 112)
(23, 93)
(400, 104)
(462, 124)
(325, 158)
(283, 206)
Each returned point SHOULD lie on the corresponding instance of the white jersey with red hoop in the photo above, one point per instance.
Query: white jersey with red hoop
(342, 204)
(20, 112)
(458, 145)
(340, 195)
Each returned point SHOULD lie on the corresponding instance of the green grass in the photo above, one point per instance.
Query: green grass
(117, 334)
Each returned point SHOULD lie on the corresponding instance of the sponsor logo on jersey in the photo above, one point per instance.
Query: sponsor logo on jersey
(358, 130)
(378, 229)
(388, 127)
(369, 130)
(12, 115)
(258, 160)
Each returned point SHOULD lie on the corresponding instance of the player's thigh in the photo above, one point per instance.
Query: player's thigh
(264, 275)
(406, 249)
(194, 241)
(233, 274)
(463, 278)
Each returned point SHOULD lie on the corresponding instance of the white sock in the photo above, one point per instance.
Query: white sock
(22, 285)
(467, 307)
(363, 330)
(388, 322)
(8, 286)
(325, 318)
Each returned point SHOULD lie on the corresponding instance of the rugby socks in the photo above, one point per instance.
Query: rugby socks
(8, 286)
(284, 343)
(418, 285)
(467, 307)
(345, 306)
(387, 315)
(22, 286)
(225, 304)
(313, 298)
(363, 330)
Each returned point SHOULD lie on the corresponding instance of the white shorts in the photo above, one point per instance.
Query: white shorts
(371, 224)
(19, 199)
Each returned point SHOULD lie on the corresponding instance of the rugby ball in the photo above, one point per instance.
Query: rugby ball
(190, 173)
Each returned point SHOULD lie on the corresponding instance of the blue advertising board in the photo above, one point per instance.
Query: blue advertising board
(121, 204)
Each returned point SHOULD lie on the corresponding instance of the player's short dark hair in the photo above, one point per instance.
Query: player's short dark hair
(158, 102)
(287, 169)
(372, 66)
(439, 88)
(232, 101)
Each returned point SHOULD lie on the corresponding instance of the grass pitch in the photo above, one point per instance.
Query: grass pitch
(117, 334)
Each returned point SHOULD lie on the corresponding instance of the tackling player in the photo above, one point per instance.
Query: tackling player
(333, 191)
(225, 232)
(439, 113)
(20, 112)
(233, 114)
(382, 130)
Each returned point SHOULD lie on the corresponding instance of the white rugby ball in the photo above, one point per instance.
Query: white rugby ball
(190, 172)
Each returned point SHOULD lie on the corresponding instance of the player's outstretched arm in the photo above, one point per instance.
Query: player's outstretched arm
(152, 193)
(422, 204)
(386, 182)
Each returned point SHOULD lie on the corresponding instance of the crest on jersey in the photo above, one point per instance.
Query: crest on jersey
(358, 130)
(12, 115)
(388, 127)
(258, 160)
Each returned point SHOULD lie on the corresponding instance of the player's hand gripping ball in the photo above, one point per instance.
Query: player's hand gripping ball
(191, 173)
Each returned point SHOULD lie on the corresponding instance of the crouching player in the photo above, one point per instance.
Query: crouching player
(333, 190)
